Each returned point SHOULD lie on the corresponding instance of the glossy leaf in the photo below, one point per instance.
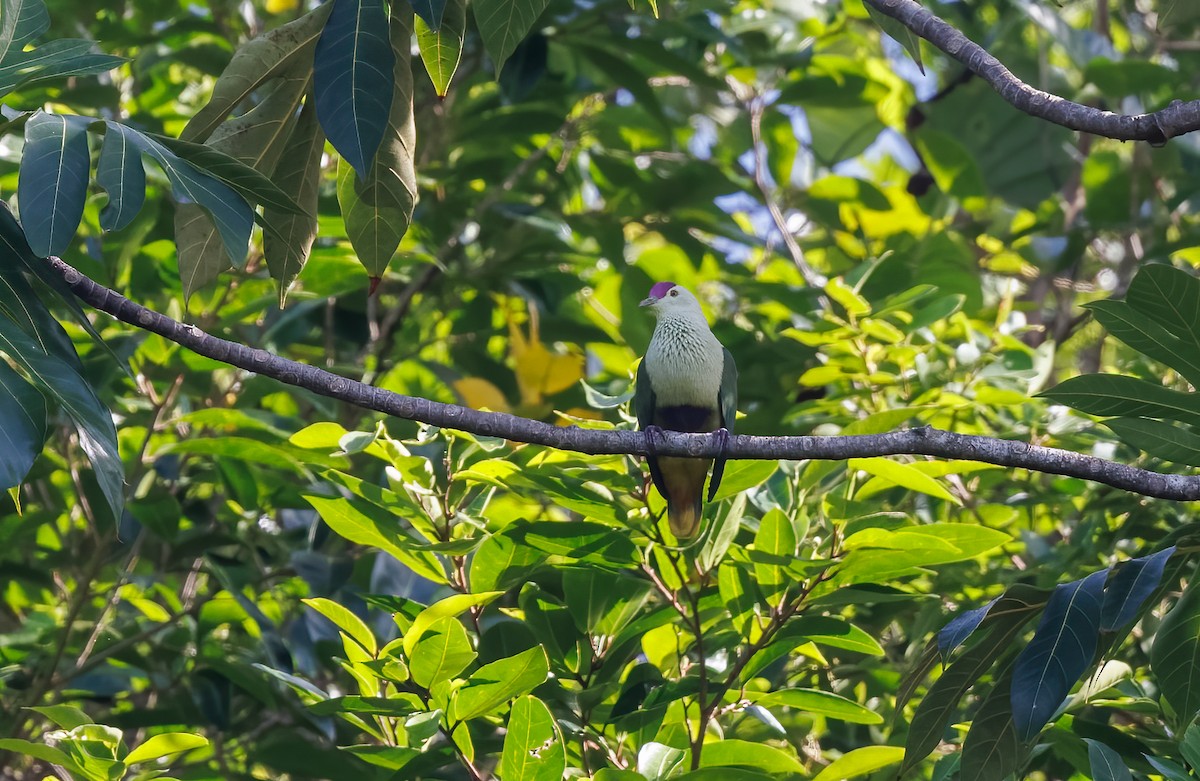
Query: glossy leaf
(992, 750)
(1162, 439)
(1147, 336)
(353, 78)
(22, 426)
(903, 475)
(441, 44)
(1130, 587)
(345, 620)
(97, 434)
(442, 652)
(377, 205)
(504, 23)
(1115, 395)
(603, 602)
(742, 753)
(859, 762)
(451, 606)
(941, 702)
(288, 245)
(1107, 764)
(1062, 648)
(953, 634)
(495, 684)
(53, 181)
(283, 49)
(365, 524)
(164, 745)
(1174, 652)
(122, 175)
(533, 744)
(821, 703)
(777, 537)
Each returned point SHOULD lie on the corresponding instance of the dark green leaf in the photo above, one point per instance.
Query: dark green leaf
(22, 426)
(1130, 587)
(441, 45)
(1148, 336)
(1174, 652)
(1169, 441)
(122, 174)
(1113, 395)
(353, 78)
(1106, 763)
(503, 23)
(53, 180)
(1062, 648)
(288, 244)
(992, 750)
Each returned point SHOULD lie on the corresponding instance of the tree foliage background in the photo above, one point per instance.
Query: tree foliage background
(208, 574)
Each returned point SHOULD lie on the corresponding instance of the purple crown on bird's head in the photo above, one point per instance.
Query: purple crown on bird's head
(660, 289)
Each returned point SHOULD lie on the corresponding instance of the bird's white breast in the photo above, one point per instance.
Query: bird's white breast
(685, 362)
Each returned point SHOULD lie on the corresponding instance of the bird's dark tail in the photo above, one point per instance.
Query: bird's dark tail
(684, 518)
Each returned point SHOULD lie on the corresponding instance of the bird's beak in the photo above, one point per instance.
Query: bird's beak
(648, 302)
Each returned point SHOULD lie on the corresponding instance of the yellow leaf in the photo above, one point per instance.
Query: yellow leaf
(280, 6)
(478, 393)
(539, 371)
(575, 415)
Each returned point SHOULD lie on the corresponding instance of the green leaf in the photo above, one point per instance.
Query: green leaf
(441, 45)
(353, 77)
(283, 49)
(899, 33)
(533, 744)
(1168, 441)
(121, 173)
(497, 683)
(1106, 763)
(1174, 652)
(54, 59)
(744, 475)
(165, 745)
(244, 151)
(1133, 583)
(451, 606)
(1113, 395)
(39, 751)
(22, 426)
(65, 716)
(20, 22)
(366, 524)
(504, 23)
(377, 205)
(777, 537)
(1171, 297)
(442, 652)
(288, 244)
(992, 751)
(721, 533)
(53, 180)
(859, 762)
(345, 620)
(97, 434)
(1063, 646)
(742, 753)
(822, 703)
(833, 632)
(655, 761)
(904, 476)
(1148, 336)
(941, 701)
(602, 602)
(502, 562)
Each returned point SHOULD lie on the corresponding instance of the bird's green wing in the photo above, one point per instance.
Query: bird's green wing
(643, 407)
(727, 406)
(727, 397)
(643, 397)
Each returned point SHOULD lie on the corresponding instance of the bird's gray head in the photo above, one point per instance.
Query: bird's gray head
(667, 298)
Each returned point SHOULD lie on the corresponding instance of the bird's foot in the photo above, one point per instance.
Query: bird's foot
(653, 434)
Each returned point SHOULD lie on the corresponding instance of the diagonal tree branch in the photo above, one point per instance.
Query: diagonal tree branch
(1174, 120)
(919, 441)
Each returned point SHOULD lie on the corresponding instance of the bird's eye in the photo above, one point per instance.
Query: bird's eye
(674, 292)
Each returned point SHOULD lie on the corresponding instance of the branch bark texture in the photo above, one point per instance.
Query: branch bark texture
(918, 441)
(1174, 120)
